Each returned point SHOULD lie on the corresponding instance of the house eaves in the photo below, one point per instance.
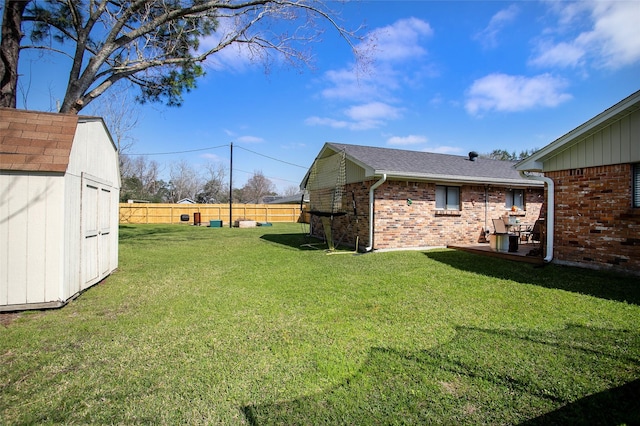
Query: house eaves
(425, 166)
(535, 162)
(453, 179)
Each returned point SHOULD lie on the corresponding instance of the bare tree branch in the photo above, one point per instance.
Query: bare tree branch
(155, 44)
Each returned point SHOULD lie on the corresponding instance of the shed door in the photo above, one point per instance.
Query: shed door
(96, 223)
(104, 231)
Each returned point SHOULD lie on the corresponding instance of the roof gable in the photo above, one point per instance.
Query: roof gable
(36, 141)
(620, 111)
(397, 163)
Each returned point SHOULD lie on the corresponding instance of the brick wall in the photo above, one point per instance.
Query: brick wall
(596, 225)
(400, 225)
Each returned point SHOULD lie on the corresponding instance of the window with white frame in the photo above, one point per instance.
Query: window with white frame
(636, 186)
(447, 197)
(515, 197)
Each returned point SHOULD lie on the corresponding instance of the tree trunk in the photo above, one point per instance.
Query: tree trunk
(10, 51)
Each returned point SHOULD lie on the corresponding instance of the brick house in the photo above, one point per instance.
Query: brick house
(398, 199)
(595, 180)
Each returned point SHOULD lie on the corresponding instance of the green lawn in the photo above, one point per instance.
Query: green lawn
(244, 326)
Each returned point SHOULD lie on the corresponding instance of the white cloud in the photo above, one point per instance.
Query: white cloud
(395, 52)
(353, 85)
(489, 36)
(249, 139)
(407, 140)
(360, 117)
(212, 157)
(502, 92)
(399, 41)
(611, 41)
(373, 111)
(234, 57)
(561, 54)
(324, 121)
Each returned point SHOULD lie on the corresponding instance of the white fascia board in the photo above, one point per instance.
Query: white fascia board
(530, 164)
(456, 179)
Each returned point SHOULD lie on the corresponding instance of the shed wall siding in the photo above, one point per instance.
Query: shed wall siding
(94, 153)
(71, 283)
(615, 144)
(92, 157)
(41, 249)
(595, 224)
(31, 254)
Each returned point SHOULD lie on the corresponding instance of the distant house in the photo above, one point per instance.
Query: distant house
(186, 201)
(594, 172)
(397, 199)
(286, 199)
(59, 186)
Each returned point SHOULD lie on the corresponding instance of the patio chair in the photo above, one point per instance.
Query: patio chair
(537, 235)
(525, 233)
(499, 227)
(536, 232)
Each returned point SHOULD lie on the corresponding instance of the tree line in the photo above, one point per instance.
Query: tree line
(141, 181)
(504, 155)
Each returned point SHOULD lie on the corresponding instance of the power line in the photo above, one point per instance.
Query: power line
(223, 146)
(272, 158)
(183, 152)
(269, 177)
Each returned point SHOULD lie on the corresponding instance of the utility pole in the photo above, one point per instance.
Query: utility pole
(231, 188)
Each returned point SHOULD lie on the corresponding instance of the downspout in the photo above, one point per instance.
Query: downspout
(550, 210)
(486, 211)
(371, 203)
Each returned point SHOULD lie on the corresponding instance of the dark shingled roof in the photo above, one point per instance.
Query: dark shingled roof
(428, 165)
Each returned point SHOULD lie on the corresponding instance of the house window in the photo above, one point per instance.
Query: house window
(515, 197)
(636, 185)
(447, 197)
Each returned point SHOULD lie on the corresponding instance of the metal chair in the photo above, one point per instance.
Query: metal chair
(525, 234)
(536, 231)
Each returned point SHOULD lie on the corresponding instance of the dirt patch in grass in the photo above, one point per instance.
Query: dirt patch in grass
(7, 318)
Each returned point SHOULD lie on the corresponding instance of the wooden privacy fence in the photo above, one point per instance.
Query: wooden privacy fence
(136, 213)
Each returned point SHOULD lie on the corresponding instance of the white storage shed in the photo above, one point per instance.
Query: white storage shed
(59, 194)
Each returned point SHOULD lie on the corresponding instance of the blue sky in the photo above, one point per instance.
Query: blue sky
(446, 77)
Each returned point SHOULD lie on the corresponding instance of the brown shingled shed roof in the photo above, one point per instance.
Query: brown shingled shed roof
(35, 141)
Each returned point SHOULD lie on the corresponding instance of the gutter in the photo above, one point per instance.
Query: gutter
(550, 210)
(371, 203)
(455, 179)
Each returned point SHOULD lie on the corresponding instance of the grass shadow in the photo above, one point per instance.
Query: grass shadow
(569, 376)
(601, 284)
(625, 398)
(298, 241)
